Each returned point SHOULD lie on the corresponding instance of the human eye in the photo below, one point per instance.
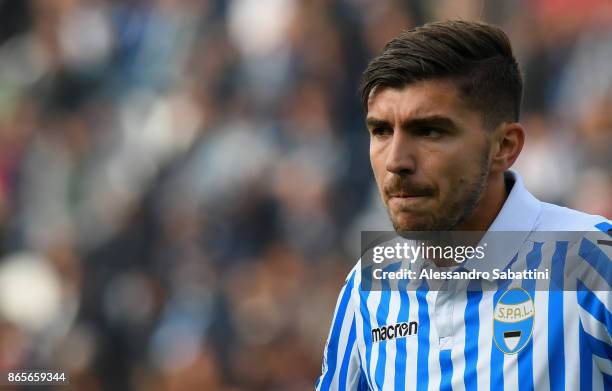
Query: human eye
(430, 132)
(381, 131)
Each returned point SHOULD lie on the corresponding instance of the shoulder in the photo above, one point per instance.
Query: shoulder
(352, 281)
(589, 242)
(558, 218)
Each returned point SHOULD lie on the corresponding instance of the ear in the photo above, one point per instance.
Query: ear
(507, 142)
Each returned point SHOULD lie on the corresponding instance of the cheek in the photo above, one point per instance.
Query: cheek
(377, 161)
(461, 174)
(447, 168)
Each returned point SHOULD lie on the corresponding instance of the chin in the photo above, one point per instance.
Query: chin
(414, 224)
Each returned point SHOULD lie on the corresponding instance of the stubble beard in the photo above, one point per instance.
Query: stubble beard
(457, 212)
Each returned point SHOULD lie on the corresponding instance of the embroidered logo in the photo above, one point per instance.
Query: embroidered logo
(513, 321)
(398, 330)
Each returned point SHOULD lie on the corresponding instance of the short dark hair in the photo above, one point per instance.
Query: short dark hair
(475, 55)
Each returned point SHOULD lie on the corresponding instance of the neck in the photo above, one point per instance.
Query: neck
(483, 216)
(488, 208)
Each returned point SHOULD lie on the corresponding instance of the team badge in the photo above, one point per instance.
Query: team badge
(513, 320)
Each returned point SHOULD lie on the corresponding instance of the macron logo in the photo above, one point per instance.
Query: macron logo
(398, 330)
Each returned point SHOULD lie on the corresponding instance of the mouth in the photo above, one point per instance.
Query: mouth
(409, 195)
(408, 201)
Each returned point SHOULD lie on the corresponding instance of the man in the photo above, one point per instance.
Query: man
(442, 104)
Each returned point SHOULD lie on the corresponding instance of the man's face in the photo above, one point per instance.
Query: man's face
(429, 153)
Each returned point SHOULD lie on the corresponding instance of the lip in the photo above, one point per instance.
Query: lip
(407, 200)
(408, 196)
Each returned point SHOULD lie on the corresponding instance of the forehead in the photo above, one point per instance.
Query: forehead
(420, 99)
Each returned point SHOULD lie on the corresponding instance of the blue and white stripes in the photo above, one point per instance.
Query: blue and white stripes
(570, 348)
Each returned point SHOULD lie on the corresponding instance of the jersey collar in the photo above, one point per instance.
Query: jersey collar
(519, 214)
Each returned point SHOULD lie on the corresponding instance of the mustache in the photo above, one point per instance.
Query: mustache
(405, 186)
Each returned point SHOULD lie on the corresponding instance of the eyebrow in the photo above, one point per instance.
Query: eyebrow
(438, 121)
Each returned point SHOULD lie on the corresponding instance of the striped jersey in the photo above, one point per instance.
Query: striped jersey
(422, 339)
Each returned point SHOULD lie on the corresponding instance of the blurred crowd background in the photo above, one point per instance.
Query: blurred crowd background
(183, 183)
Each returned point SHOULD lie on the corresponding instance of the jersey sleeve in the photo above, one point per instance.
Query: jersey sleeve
(341, 369)
(595, 298)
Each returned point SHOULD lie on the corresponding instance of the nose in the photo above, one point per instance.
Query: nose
(401, 158)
